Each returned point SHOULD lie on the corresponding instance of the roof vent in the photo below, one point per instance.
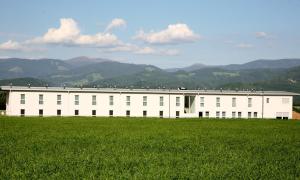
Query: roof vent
(64, 86)
(221, 89)
(236, 89)
(10, 84)
(46, 86)
(28, 85)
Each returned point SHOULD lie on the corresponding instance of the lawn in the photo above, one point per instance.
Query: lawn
(127, 148)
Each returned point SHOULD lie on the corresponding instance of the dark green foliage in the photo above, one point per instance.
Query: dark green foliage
(136, 148)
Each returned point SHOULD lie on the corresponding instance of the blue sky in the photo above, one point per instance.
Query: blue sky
(162, 33)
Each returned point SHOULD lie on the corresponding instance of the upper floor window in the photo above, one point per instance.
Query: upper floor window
(234, 102)
(76, 102)
(201, 101)
(249, 102)
(111, 100)
(177, 101)
(22, 100)
(94, 100)
(161, 101)
(285, 100)
(144, 100)
(268, 100)
(58, 99)
(41, 99)
(128, 100)
(218, 102)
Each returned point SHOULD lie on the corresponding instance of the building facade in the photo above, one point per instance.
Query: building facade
(165, 103)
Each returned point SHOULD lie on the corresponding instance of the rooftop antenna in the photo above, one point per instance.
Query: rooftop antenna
(28, 85)
(46, 86)
(64, 86)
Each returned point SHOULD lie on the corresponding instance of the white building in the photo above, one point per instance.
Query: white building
(62, 101)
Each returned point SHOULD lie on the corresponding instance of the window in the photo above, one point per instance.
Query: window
(127, 113)
(58, 99)
(111, 100)
(285, 100)
(111, 112)
(223, 114)
(22, 112)
(41, 112)
(233, 114)
(218, 104)
(41, 99)
(268, 100)
(94, 113)
(200, 114)
(249, 102)
(161, 114)
(177, 101)
(207, 114)
(239, 114)
(76, 102)
(161, 101)
(249, 114)
(255, 114)
(76, 112)
(22, 101)
(218, 114)
(177, 114)
(144, 100)
(58, 112)
(234, 102)
(201, 101)
(127, 100)
(144, 113)
(94, 100)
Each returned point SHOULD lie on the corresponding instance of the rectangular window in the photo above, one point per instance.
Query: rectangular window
(218, 100)
(177, 101)
(144, 113)
(58, 112)
(268, 100)
(285, 100)
(161, 114)
(111, 112)
(111, 100)
(249, 102)
(94, 100)
(177, 114)
(76, 112)
(255, 114)
(22, 112)
(58, 99)
(218, 114)
(249, 114)
(41, 112)
(233, 114)
(161, 101)
(41, 99)
(201, 101)
(127, 100)
(223, 114)
(22, 101)
(234, 102)
(144, 100)
(207, 114)
(127, 113)
(239, 114)
(94, 112)
(76, 102)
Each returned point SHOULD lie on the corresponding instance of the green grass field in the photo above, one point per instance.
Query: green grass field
(126, 148)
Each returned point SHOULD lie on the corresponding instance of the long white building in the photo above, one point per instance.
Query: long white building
(64, 101)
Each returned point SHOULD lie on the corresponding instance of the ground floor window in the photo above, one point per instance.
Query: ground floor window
(111, 112)
(218, 114)
(207, 113)
(144, 113)
(223, 114)
(58, 112)
(127, 113)
(233, 114)
(200, 114)
(177, 114)
(239, 114)
(249, 114)
(41, 112)
(161, 114)
(76, 112)
(93, 112)
(255, 114)
(22, 112)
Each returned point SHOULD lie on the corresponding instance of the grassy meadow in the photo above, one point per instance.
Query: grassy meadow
(137, 148)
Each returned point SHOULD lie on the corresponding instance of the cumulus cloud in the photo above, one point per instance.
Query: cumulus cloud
(261, 35)
(11, 46)
(174, 34)
(117, 22)
(244, 45)
(152, 51)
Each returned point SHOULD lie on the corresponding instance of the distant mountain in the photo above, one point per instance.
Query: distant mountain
(193, 67)
(24, 82)
(83, 61)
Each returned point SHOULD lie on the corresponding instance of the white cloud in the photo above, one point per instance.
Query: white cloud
(117, 22)
(11, 46)
(174, 34)
(261, 35)
(244, 45)
(152, 51)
